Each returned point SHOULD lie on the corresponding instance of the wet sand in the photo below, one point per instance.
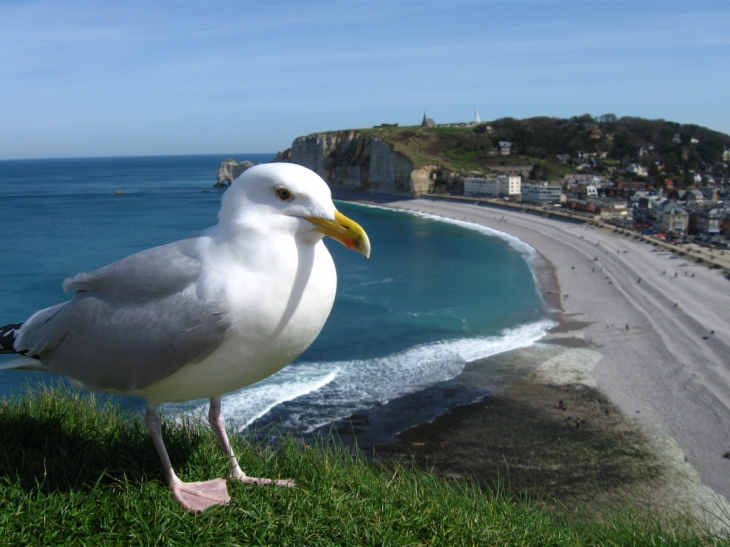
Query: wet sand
(641, 358)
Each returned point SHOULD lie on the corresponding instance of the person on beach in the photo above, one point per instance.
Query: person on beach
(562, 405)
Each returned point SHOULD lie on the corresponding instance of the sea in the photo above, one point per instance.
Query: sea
(435, 294)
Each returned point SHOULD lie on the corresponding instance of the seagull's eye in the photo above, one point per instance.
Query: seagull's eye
(284, 195)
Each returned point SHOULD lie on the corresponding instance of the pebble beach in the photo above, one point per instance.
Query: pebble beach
(637, 372)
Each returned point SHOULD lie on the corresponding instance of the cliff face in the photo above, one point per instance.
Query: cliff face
(355, 161)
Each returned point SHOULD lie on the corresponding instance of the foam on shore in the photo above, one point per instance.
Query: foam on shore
(328, 391)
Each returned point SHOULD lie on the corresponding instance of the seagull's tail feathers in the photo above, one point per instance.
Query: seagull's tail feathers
(7, 338)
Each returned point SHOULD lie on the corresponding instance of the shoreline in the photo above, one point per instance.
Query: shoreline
(656, 371)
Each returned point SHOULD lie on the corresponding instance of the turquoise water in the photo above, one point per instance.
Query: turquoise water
(433, 296)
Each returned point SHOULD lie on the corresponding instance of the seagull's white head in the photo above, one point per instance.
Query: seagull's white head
(290, 197)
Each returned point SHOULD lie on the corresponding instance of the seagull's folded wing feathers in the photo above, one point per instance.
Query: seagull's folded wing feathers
(130, 324)
(152, 273)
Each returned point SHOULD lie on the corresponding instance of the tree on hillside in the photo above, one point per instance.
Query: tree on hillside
(540, 140)
(540, 171)
(710, 149)
(621, 148)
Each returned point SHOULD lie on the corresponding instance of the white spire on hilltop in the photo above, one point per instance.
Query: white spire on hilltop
(476, 114)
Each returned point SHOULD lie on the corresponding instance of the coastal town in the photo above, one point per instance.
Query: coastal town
(632, 193)
(654, 178)
(698, 213)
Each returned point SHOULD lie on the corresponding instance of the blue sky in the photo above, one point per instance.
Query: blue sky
(98, 78)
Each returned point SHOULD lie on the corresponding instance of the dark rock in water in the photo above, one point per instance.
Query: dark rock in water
(282, 156)
(230, 170)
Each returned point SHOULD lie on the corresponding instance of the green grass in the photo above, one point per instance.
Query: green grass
(77, 472)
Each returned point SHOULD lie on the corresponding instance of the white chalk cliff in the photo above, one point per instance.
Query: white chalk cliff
(353, 160)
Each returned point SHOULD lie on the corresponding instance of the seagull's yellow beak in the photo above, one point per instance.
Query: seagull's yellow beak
(346, 231)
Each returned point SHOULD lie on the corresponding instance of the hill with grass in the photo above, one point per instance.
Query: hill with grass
(75, 470)
(418, 160)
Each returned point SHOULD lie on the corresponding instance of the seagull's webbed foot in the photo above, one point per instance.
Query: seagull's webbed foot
(196, 497)
(218, 425)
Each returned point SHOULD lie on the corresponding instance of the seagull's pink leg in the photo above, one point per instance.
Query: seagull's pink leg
(195, 497)
(217, 424)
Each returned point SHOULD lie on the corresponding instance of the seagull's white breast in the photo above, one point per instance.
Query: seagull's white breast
(279, 297)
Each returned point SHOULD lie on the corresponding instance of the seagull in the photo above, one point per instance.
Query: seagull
(202, 316)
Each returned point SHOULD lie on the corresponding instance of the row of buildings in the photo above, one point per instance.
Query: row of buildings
(512, 188)
(692, 211)
(700, 212)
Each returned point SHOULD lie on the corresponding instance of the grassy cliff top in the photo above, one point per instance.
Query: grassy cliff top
(74, 472)
(537, 143)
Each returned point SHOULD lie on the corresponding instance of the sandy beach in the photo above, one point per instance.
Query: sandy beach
(643, 349)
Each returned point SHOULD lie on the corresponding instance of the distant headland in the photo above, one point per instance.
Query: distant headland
(437, 158)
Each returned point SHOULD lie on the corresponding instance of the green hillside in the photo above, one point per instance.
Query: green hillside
(74, 471)
(609, 144)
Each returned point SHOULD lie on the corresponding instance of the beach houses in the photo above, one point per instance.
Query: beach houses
(609, 208)
(672, 218)
(508, 186)
(706, 222)
(541, 192)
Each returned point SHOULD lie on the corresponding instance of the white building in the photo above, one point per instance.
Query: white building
(584, 178)
(510, 185)
(652, 199)
(501, 186)
(672, 218)
(541, 193)
(638, 169)
(481, 187)
(505, 147)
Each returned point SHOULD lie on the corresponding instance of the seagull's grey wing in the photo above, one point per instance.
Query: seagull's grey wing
(148, 274)
(130, 324)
